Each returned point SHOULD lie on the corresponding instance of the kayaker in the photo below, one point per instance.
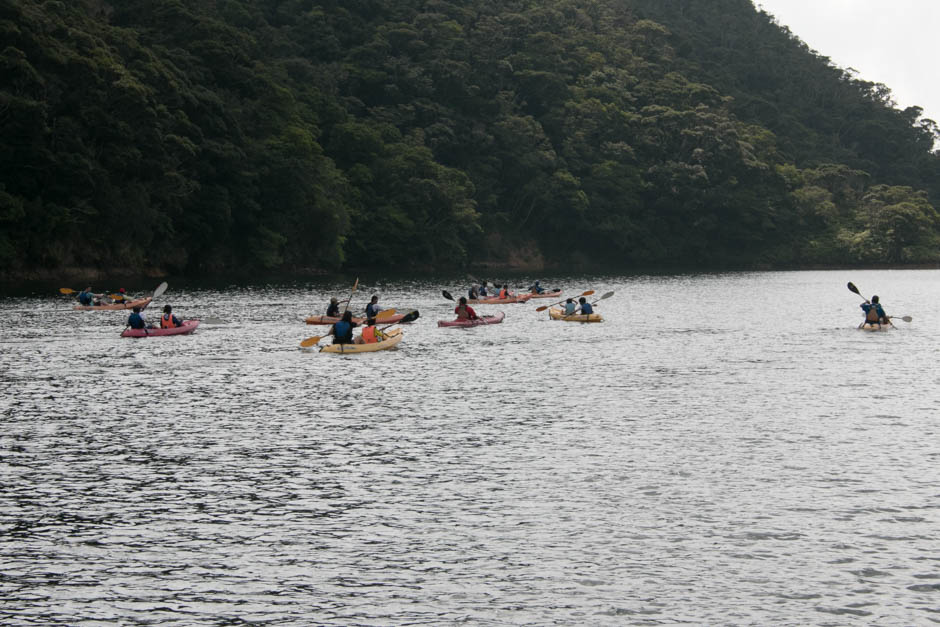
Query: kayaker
(373, 309)
(370, 335)
(570, 307)
(586, 308)
(503, 292)
(120, 298)
(465, 311)
(136, 320)
(333, 310)
(474, 292)
(168, 320)
(536, 288)
(86, 297)
(482, 293)
(343, 330)
(874, 313)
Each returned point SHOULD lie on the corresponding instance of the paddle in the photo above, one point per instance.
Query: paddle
(67, 290)
(388, 313)
(852, 288)
(355, 285)
(607, 295)
(544, 307)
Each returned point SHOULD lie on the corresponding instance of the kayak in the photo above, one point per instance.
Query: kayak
(557, 313)
(519, 298)
(333, 319)
(494, 319)
(547, 294)
(876, 327)
(394, 337)
(143, 302)
(188, 327)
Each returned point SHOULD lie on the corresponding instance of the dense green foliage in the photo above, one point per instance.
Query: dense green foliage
(206, 135)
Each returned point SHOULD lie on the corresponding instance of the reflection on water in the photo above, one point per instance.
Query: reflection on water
(725, 449)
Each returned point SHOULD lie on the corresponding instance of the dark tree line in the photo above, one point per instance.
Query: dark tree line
(201, 136)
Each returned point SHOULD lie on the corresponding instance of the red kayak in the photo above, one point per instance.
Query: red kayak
(494, 319)
(188, 327)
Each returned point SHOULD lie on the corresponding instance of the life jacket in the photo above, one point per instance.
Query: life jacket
(503, 293)
(85, 298)
(872, 314)
(167, 322)
(136, 321)
(342, 332)
(462, 313)
(368, 335)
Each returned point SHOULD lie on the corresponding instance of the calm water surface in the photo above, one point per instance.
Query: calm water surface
(724, 450)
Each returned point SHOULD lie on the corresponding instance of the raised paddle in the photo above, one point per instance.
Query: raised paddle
(355, 285)
(67, 290)
(544, 307)
(388, 313)
(852, 288)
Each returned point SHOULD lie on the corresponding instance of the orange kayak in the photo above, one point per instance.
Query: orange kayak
(555, 294)
(518, 298)
(128, 305)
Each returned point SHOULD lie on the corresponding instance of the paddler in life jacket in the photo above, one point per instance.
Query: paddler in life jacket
(482, 291)
(586, 308)
(373, 309)
(536, 288)
(343, 330)
(136, 320)
(370, 335)
(120, 298)
(464, 311)
(504, 292)
(874, 314)
(474, 292)
(333, 310)
(168, 320)
(87, 298)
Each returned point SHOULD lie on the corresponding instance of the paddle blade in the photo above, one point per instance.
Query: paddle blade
(66, 290)
(160, 290)
(385, 314)
(311, 341)
(447, 295)
(587, 293)
(411, 316)
(906, 318)
(542, 308)
(852, 288)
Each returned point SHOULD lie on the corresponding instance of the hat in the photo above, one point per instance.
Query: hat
(122, 290)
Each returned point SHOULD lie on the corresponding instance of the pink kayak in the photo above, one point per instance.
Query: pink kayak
(554, 294)
(188, 327)
(494, 319)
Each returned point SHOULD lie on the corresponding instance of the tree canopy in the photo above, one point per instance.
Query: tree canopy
(203, 136)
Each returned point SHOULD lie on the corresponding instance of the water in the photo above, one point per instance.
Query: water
(725, 449)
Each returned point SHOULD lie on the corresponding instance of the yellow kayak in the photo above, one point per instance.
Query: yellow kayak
(876, 327)
(394, 337)
(557, 313)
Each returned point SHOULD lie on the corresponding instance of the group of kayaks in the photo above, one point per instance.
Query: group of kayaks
(185, 328)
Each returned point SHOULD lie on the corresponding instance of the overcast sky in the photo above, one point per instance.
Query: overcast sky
(895, 42)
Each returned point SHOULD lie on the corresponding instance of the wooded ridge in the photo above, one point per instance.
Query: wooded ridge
(203, 136)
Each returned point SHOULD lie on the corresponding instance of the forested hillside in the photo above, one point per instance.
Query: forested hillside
(204, 136)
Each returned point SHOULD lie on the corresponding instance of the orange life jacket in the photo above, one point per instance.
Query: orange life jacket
(368, 335)
(503, 293)
(166, 322)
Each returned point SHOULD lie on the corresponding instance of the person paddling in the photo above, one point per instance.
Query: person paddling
(86, 297)
(586, 308)
(136, 320)
(343, 330)
(482, 292)
(370, 335)
(874, 313)
(333, 310)
(474, 292)
(373, 309)
(120, 298)
(465, 311)
(536, 288)
(570, 307)
(168, 320)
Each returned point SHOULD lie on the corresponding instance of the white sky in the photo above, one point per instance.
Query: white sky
(895, 42)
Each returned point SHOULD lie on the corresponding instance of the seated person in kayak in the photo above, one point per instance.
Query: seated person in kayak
(474, 292)
(333, 310)
(373, 309)
(536, 288)
(586, 308)
(87, 298)
(370, 335)
(570, 307)
(482, 291)
(874, 313)
(120, 298)
(504, 292)
(136, 320)
(343, 330)
(464, 311)
(168, 320)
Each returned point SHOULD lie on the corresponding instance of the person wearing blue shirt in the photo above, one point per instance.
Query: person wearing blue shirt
(586, 307)
(482, 292)
(343, 330)
(136, 320)
(536, 288)
(372, 309)
(86, 298)
(874, 313)
(570, 307)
